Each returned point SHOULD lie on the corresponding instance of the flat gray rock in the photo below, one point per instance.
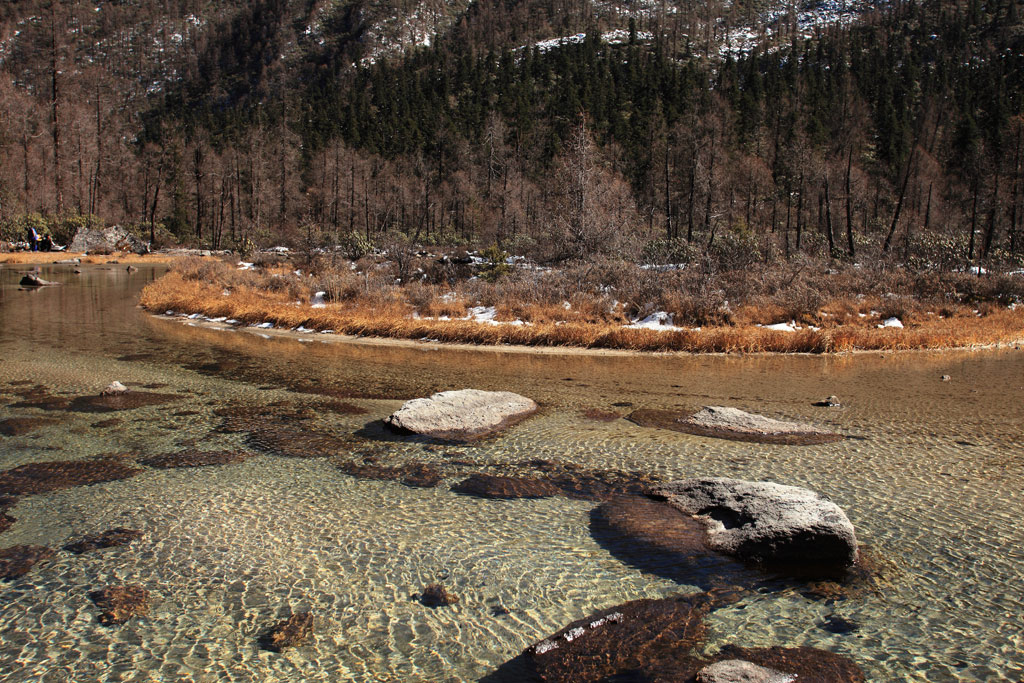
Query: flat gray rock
(740, 671)
(742, 423)
(765, 522)
(461, 415)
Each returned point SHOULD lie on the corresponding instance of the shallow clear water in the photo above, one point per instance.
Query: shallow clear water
(932, 482)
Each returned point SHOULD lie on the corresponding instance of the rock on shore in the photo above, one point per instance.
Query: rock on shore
(765, 522)
(461, 415)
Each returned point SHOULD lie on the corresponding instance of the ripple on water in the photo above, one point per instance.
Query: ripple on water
(931, 479)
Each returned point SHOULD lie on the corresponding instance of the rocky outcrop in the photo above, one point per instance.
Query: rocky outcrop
(111, 538)
(19, 560)
(765, 522)
(294, 631)
(107, 241)
(731, 423)
(461, 415)
(436, 595)
(118, 604)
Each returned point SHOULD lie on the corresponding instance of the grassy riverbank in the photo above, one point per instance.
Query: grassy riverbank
(560, 308)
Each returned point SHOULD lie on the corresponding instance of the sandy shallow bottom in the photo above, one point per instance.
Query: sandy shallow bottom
(931, 478)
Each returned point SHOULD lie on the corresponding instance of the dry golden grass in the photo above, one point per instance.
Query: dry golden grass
(46, 257)
(392, 318)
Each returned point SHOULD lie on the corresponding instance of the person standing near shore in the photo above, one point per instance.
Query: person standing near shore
(33, 238)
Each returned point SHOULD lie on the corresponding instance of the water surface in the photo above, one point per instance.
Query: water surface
(931, 479)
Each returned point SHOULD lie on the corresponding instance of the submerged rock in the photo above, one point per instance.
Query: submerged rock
(436, 595)
(598, 415)
(119, 400)
(659, 641)
(43, 477)
(294, 443)
(830, 402)
(461, 415)
(120, 603)
(6, 521)
(417, 475)
(194, 459)
(491, 486)
(642, 639)
(741, 671)
(765, 522)
(33, 280)
(19, 426)
(731, 423)
(111, 538)
(18, 560)
(294, 631)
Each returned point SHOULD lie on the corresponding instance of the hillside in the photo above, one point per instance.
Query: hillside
(736, 132)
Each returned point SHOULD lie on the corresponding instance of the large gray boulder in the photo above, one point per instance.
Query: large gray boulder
(740, 671)
(107, 241)
(461, 415)
(765, 522)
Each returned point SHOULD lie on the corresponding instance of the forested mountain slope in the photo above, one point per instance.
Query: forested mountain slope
(657, 130)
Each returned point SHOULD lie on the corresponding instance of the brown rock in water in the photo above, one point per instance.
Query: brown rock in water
(491, 486)
(293, 443)
(292, 632)
(108, 539)
(436, 595)
(736, 425)
(657, 641)
(19, 560)
(194, 459)
(6, 521)
(417, 475)
(646, 640)
(43, 477)
(129, 400)
(19, 426)
(343, 408)
(33, 280)
(120, 603)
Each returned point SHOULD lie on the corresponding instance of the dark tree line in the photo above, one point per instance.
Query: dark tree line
(898, 136)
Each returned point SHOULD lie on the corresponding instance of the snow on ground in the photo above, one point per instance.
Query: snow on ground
(318, 300)
(892, 322)
(659, 321)
(791, 326)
